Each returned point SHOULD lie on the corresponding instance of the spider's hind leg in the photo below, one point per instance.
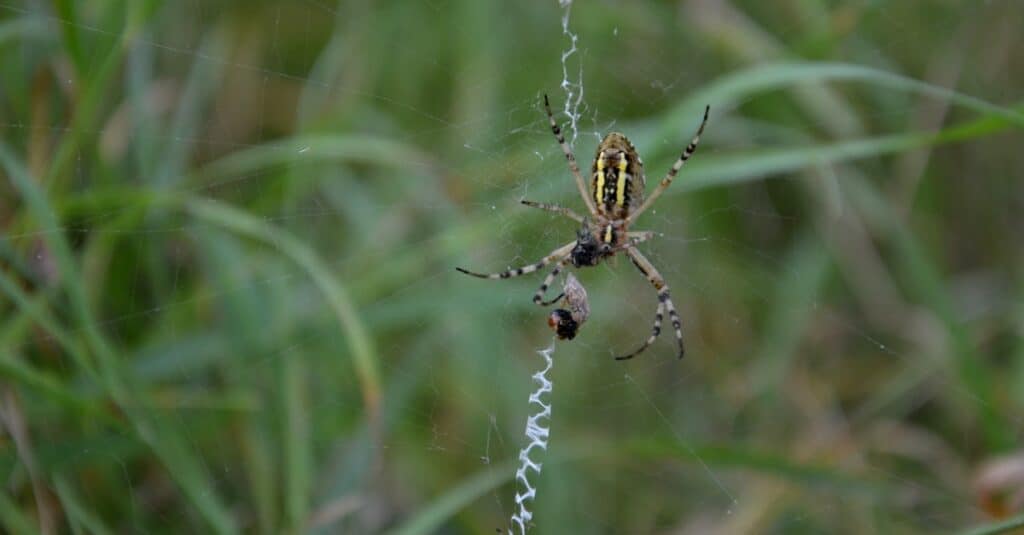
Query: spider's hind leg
(638, 237)
(554, 208)
(671, 175)
(581, 185)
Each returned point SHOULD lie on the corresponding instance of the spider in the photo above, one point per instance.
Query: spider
(615, 198)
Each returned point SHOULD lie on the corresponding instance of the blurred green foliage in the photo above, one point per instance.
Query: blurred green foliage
(229, 229)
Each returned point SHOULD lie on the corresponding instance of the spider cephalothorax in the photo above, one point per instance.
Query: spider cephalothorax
(589, 250)
(614, 199)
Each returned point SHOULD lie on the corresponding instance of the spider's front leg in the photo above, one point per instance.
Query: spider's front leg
(664, 302)
(558, 256)
(538, 297)
(650, 339)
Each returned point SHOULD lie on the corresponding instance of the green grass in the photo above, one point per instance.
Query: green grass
(228, 302)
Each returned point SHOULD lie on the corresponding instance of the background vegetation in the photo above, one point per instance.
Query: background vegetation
(229, 229)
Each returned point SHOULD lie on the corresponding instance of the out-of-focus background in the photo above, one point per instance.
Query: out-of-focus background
(229, 232)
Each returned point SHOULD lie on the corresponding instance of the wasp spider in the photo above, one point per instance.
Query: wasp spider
(614, 198)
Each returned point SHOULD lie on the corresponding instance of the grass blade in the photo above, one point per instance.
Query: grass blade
(1004, 526)
(364, 355)
(430, 517)
(78, 513)
(162, 438)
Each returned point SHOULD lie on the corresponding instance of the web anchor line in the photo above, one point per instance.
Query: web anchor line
(573, 90)
(537, 433)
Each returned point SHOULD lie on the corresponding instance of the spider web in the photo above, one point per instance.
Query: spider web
(229, 341)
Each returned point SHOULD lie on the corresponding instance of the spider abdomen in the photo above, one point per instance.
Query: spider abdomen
(617, 176)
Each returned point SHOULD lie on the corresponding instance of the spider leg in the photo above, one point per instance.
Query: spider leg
(650, 340)
(664, 298)
(687, 152)
(554, 208)
(538, 297)
(558, 254)
(634, 238)
(638, 237)
(571, 158)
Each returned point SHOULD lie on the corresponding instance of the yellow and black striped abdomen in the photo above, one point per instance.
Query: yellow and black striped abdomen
(618, 176)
